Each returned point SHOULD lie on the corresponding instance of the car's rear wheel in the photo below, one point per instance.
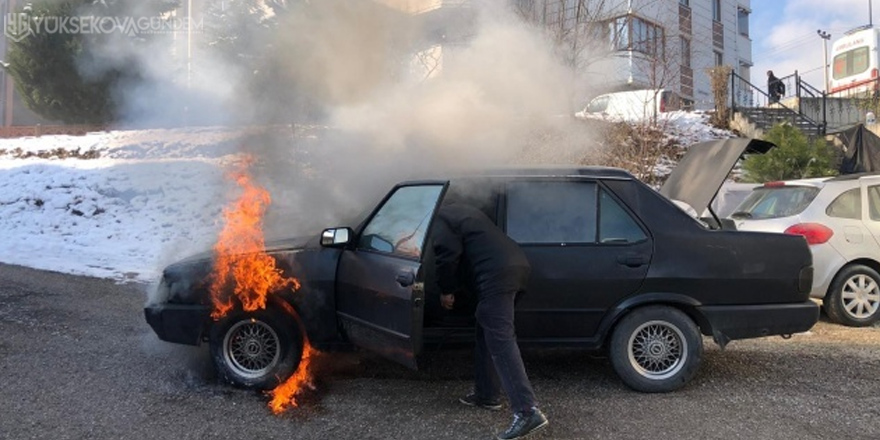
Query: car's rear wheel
(656, 349)
(256, 350)
(853, 298)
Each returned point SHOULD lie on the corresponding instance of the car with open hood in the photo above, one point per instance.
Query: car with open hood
(616, 265)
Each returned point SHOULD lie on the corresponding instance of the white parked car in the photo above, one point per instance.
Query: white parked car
(631, 105)
(840, 218)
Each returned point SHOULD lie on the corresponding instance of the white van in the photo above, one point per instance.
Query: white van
(632, 105)
(855, 63)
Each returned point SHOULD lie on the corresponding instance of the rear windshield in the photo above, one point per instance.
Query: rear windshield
(775, 202)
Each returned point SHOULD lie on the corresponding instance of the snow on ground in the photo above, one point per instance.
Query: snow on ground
(151, 197)
(150, 194)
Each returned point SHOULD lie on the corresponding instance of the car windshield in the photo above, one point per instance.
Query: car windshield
(597, 105)
(775, 202)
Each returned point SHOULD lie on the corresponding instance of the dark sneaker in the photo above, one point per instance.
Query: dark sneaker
(524, 424)
(473, 400)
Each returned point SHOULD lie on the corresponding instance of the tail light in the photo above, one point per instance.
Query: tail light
(874, 72)
(777, 184)
(815, 233)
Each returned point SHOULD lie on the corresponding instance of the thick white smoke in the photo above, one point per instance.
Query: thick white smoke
(349, 81)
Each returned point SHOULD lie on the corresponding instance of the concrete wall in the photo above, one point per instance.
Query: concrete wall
(839, 112)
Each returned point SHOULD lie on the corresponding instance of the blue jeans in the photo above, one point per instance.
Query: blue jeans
(498, 363)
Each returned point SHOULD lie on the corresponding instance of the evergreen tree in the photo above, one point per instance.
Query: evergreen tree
(246, 34)
(241, 30)
(795, 157)
(50, 70)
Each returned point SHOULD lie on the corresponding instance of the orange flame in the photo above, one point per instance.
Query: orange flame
(284, 395)
(241, 259)
(244, 271)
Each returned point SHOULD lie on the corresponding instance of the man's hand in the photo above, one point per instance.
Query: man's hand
(447, 300)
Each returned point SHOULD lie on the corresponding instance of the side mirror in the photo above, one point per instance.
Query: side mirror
(336, 237)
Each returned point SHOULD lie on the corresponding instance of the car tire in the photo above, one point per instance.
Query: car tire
(656, 349)
(256, 350)
(853, 299)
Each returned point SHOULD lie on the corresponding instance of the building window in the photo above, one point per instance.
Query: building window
(719, 58)
(637, 34)
(742, 21)
(685, 52)
(716, 10)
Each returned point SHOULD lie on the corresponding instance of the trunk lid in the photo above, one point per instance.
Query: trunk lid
(704, 168)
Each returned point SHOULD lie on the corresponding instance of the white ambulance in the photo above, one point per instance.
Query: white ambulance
(854, 65)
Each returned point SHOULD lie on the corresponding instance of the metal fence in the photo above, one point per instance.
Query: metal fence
(39, 130)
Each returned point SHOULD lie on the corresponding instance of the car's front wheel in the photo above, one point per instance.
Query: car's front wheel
(656, 349)
(853, 298)
(256, 350)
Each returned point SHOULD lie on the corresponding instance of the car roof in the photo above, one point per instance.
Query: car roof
(845, 177)
(549, 171)
(832, 180)
(813, 181)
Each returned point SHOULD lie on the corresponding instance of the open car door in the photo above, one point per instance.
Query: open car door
(380, 295)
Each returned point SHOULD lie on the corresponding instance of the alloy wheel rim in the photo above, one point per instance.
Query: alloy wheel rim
(860, 296)
(251, 348)
(657, 350)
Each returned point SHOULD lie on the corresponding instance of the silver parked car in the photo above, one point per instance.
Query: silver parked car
(840, 219)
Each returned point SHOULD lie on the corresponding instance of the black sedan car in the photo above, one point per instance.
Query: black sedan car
(616, 265)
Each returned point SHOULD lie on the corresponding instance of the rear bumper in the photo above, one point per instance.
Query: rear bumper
(827, 261)
(178, 323)
(754, 321)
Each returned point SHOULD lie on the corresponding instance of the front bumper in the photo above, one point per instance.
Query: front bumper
(178, 323)
(754, 321)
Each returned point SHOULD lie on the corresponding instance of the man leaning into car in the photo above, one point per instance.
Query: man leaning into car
(467, 242)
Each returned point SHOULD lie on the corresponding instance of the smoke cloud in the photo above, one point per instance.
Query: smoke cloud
(355, 95)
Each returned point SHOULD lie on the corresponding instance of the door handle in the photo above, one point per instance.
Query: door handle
(406, 279)
(632, 260)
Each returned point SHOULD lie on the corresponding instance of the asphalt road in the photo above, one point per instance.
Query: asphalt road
(77, 361)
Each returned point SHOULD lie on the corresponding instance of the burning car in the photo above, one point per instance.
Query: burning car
(616, 265)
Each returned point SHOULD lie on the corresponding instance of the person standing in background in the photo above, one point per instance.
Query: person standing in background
(775, 87)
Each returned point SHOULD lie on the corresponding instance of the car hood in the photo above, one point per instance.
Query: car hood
(703, 169)
(296, 243)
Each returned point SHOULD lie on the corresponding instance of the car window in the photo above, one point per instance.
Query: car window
(598, 105)
(775, 202)
(615, 224)
(874, 202)
(552, 212)
(846, 205)
(399, 226)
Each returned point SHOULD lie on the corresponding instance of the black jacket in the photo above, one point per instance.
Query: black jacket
(469, 247)
(775, 87)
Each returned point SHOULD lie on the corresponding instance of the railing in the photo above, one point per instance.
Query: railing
(860, 90)
(826, 112)
(855, 101)
(747, 95)
(817, 100)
